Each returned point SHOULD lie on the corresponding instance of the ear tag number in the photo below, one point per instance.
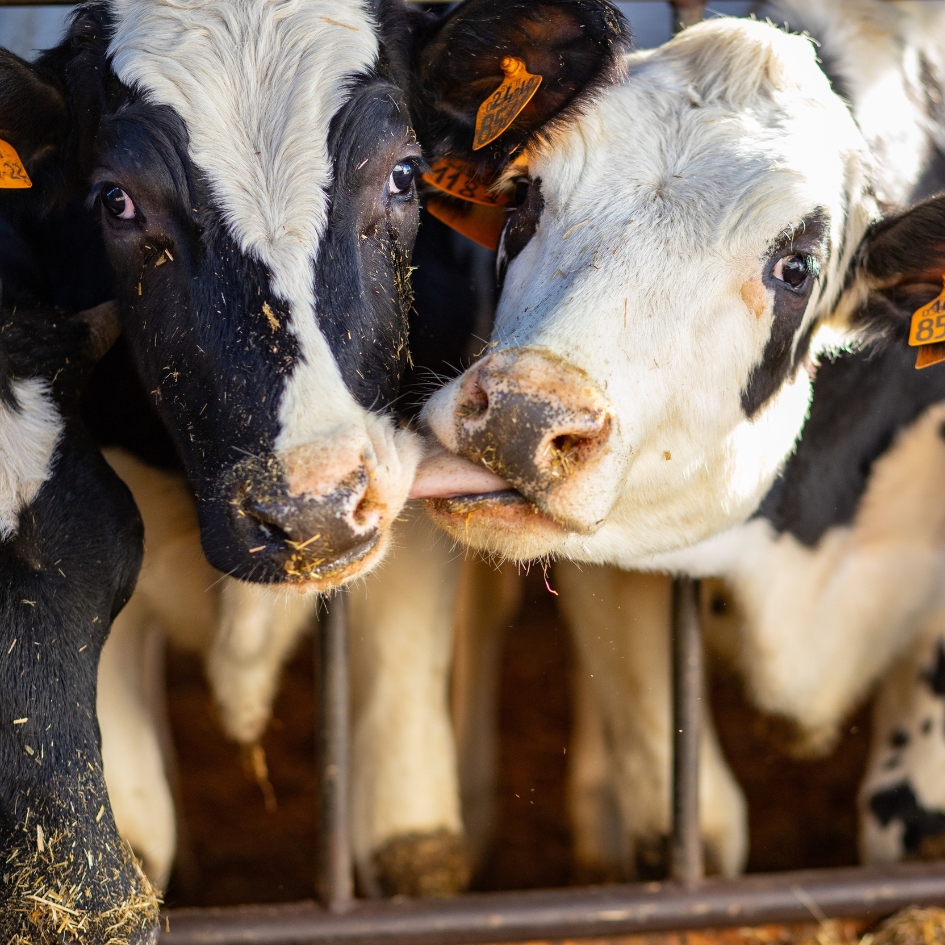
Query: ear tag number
(503, 106)
(13, 175)
(458, 179)
(928, 328)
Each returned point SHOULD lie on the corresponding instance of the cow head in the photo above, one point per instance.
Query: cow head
(684, 250)
(252, 166)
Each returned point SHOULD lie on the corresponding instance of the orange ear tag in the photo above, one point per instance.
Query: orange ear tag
(483, 221)
(503, 106)
(13, 175)
(928, 328)
(458, 179)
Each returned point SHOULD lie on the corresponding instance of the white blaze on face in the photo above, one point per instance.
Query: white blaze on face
(28, 438)
(257, 83)
(661, 207)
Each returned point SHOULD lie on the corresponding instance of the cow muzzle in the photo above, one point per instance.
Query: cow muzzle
(318, 515)
(543, 426)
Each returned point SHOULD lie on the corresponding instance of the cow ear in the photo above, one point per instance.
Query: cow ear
(462, 60)
(899, 267)
(34, 114)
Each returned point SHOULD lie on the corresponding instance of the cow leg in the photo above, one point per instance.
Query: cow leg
(257, 632)
(132, 750)
(620, 622)
(592, 801)
(902, 797)
(487, 600)
(405, 810)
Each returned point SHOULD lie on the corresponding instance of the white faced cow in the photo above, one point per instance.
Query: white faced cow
(683, 258)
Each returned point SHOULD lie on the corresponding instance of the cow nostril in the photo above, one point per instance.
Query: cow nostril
(270, 529)
(474, 404)
(365, 511)
(567, 451)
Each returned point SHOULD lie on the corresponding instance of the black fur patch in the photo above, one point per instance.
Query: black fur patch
(905, 252)
(861, 402)
(520, 228)
(900, 803)
(784, 351)
(575, 45)
(66, 573)
(935, 677)
(362, 278)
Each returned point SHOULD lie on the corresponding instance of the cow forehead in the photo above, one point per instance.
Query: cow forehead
(256, 83)
(651, 162)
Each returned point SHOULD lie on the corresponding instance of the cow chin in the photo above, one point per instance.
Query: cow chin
(502, 523)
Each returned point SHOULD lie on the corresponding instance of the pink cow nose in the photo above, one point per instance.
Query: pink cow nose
(533, 419)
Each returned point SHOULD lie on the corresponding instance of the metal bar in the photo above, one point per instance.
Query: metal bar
(688, 682)
(604, 911)
(335, 888)
(686, 13)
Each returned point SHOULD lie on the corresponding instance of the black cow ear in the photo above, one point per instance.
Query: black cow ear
(575, 46)
(898, 268)
(34, 114)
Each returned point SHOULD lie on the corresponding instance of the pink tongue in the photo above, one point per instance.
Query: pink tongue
(442, 476)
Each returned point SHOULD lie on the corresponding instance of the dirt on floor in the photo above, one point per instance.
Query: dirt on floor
(802, 813)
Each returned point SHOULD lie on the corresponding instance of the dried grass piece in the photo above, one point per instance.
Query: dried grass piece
(912, 926)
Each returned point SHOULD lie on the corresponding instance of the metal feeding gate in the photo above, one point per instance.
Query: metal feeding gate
(686, 901)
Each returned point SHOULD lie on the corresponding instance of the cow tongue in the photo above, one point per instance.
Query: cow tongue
(443, 476)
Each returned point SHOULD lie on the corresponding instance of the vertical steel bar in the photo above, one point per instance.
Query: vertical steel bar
(335, 888)
(686, 12)
(686, 852)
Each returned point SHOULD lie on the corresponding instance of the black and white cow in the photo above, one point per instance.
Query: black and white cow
(685, 255)
(252, 169)
(251, 166)
(70, 549)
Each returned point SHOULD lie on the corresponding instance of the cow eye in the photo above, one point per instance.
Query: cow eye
(117, 202)
(401, 178)
(794, 270)
(520, 193)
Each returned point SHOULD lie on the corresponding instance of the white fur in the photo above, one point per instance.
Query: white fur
(257, 83)
(877, 47)
(400, 631)
(28, 437)
(620, 623)
(487, 600)
(258, 631)
(135, 739)
(244, 633)
(822, 624)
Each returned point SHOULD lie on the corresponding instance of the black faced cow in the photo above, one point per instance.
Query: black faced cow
(252, 167)
(70, 549)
